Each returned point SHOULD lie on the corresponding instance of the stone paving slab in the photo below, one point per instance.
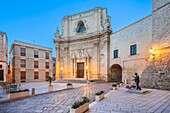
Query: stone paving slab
(57, 102)
(40, 88)
(122, 101)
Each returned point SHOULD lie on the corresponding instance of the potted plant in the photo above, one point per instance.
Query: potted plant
(114, 86)
(18, 93)
(50, 87)
(118, 84)
(69, 86)
(80, 106)
(99, 96)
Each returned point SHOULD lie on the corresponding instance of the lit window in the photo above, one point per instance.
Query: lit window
(35, 75)
(23, 76)
(46, 75)
(47, 65)
(116, 53)
(133, 49)
(35, 64)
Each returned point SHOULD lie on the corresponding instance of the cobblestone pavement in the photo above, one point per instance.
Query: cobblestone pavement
(120, 101)
(57, 102)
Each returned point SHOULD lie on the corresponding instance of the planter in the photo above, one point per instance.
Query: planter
(69, 86)
(50, 88)
(114, 88)
(80, 109)
(99, 97)
(18, 94)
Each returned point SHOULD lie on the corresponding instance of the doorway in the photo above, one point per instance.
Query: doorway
(1, 75)
(116, 73)
(80, 70)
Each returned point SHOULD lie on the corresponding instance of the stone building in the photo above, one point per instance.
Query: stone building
(30, 62)
(87, 47)
(83, 47)
(3, 57)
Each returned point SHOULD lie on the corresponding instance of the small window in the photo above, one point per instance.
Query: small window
(0, 66)
(81, 27)
(54, 64)
(46, 75)
(23, 63)
(47, 65)
(133, 49)
(115, 55)
(35, 54)
(23, 52)
(35, 64)
(46, 55)
(23, 76)
(35, 75)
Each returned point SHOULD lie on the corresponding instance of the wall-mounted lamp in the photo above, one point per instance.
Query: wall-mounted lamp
(152, 53)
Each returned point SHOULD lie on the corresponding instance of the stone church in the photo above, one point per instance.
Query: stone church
(88, 49)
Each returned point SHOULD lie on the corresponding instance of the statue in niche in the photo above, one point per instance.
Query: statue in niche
(107, 23)
(57, 34)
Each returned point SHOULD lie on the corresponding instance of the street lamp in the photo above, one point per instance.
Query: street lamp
(86, 73)
(61, 73)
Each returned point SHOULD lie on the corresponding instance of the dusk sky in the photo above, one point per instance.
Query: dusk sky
(35, 21)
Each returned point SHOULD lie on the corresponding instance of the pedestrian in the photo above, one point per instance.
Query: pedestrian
(137, 81)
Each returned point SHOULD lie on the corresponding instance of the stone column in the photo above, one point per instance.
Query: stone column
(57, 61)
(75, 71)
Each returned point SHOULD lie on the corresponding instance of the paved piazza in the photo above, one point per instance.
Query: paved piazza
(120, 101)
(57, 102)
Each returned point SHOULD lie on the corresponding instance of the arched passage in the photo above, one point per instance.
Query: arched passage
(116, 73)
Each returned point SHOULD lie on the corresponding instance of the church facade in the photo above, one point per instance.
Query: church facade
(87, 48)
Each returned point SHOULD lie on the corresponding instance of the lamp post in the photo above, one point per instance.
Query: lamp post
(61, 73)
(87, 73)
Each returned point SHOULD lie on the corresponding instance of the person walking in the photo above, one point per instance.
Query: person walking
(137, 81)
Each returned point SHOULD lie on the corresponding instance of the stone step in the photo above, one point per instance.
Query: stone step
(78, 80)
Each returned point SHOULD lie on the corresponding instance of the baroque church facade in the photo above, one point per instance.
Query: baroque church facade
(87, 48)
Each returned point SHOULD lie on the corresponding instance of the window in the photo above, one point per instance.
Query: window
(35, 54)
(23, 52)
(115, 53)
(0, 66)
(23, 76)
(47, 65)
(23, 63)
(81, 27)
(46, 55)
(54, 64)
(46, 75)
(35, 64)
(133, 49)
(35, 75)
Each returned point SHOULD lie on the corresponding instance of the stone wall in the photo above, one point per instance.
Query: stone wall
(139, 33)
(157, 74)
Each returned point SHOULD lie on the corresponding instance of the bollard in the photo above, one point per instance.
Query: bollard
(33, 91)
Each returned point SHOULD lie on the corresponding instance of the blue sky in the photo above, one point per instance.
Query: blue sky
(35, 21)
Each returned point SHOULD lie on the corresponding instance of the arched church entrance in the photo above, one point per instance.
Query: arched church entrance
(116, 73)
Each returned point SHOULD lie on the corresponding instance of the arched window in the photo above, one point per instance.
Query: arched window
(81, 27)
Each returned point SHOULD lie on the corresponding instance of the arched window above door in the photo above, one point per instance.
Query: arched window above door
(81, 27)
